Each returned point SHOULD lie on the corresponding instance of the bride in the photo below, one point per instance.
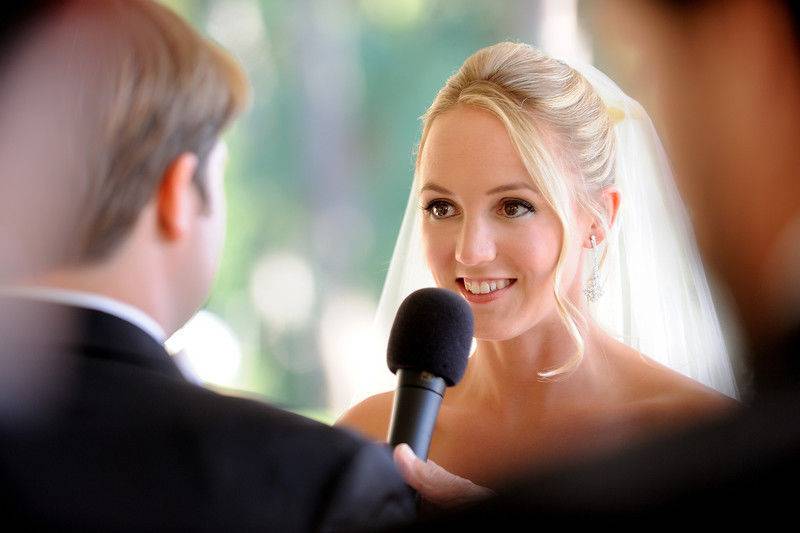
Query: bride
(542, 195)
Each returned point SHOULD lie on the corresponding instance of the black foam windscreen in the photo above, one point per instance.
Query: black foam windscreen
(432, 332)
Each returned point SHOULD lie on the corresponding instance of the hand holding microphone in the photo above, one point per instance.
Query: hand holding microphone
(428, 349)
(435, 484)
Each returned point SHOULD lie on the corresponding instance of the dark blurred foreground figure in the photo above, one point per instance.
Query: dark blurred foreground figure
(728, 81)
(112, 217)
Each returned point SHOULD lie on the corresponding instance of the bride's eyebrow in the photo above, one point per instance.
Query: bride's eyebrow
(434, 187)
(502, 188)
(513, 187)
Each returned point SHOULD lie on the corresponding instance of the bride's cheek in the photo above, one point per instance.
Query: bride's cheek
(436, 255)
(437, 236)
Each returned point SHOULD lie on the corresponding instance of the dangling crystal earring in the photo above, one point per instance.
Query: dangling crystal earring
(594, 289)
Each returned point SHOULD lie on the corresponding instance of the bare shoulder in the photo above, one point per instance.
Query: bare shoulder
(665, 395)
(370, 417)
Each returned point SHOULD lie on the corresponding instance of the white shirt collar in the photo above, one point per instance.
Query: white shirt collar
(88, 300)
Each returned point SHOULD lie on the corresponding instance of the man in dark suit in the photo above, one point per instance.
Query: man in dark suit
(726, 81)
(112, 113)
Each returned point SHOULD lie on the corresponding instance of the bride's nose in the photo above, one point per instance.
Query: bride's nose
(475, 243)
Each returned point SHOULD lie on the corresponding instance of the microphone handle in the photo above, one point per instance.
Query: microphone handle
(416, 406)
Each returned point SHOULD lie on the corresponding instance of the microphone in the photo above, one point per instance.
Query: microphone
(428, 349)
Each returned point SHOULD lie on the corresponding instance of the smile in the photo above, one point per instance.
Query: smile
(485, 286)
(484, 290)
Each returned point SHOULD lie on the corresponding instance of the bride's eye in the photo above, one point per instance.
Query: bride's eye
(514, 208)
(441, 209)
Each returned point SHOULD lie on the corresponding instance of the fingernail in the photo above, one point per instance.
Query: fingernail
(402, 449)
(402, 459)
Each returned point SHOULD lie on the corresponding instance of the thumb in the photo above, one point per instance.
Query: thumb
(408, 464)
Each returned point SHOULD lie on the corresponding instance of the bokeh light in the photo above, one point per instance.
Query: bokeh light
(561, 34)
(350, 349)
(282, 290)
(207, 350)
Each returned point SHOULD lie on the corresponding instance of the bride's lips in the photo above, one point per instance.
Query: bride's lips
(483, 298)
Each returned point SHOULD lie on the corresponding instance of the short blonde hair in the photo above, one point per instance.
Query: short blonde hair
(558, 125)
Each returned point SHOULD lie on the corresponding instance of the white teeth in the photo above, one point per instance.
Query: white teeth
(485, 287)
(474, 288)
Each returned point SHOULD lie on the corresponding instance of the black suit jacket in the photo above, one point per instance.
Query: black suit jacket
(99, 430)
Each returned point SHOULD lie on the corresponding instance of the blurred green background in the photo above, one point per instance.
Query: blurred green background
(320, 169)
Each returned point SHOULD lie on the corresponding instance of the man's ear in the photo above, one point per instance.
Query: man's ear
(176, 197)
(610, 200)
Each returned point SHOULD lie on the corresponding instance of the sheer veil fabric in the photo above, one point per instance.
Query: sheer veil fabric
(656, 297)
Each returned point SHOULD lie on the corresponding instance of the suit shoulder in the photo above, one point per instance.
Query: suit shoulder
(352, 483)
(368, 493)
(370, 418)
(267, 422)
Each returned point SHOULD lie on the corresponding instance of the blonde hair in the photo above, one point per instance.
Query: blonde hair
(558, 125)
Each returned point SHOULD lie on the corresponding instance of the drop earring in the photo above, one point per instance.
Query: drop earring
(594, 288)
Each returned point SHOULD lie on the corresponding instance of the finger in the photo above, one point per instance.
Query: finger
(447, 489)
(406, 463)
(434, 483)
(428, 478)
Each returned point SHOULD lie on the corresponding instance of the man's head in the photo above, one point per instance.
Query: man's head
(725, 87)
(122, 103)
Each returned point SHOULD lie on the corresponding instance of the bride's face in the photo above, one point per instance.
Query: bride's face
(488, 233)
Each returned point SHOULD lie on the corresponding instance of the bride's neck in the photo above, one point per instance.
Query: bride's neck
(506, 373)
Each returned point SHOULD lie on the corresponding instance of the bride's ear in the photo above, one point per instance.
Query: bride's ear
(609, 200)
